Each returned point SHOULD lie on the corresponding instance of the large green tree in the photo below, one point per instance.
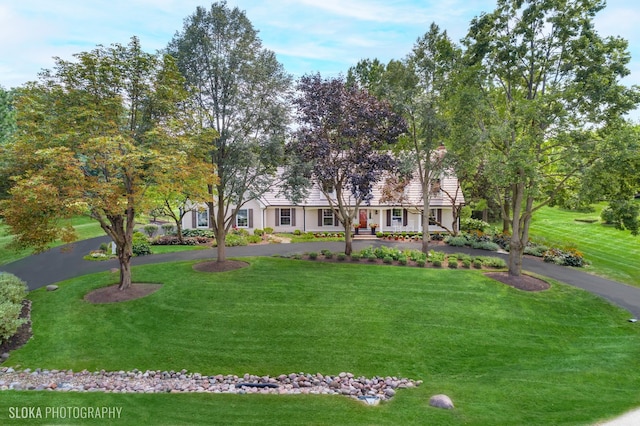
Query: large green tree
(238, 88)
(92, 136)
(417, 87)
(544, 80)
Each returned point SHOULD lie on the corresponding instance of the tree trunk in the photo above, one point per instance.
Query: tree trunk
(426, 205)
(125, 269)
(348, 245)
(516, 246)
(179, 231)
(220, 228)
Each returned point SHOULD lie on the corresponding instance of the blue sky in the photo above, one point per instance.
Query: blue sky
(326, 36)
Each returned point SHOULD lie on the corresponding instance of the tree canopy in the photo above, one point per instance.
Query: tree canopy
(239, 89)
(91, 138)
(341, 145)
(545, 82)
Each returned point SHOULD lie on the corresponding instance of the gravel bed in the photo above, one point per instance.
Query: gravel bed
(135, 381)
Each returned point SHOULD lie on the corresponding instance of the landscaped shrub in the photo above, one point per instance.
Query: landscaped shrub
(341, 256)
(387, 259)
(372, 258)
(355, 257)
(12, 292)
(168, 228)
(568, 257)
(296, 256)
(141, 246)
(459, 241)
(494, 262)
(421, 263)
(325, 252)
(379, 234)
(150, 230)
(207, 233)
(477, 264)
(297, 232)
(436, 255)
(452, 263)
(485, 245)
(328, 255)
(258, 232)
(402, 260)
(469, 224)
(437, 263)
(268, 230)
(313, 255)
(235, 240)
(535, 250)
(503, 240)
(254, 239)
(466, 263)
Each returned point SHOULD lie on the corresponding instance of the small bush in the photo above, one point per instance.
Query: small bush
(379, 234)
(12, 292)
(328, 255)
(341, 256)
(387, 259)
(355, 257)
(458, 241)
(477, 264)
(485, 245)
(452, 263)
(421, 263)
(268, 230)
(372, 258)
(168, 228)
(258, 232)
(325, 252)
(313, 255)
(207, 233)
(466, 263)
(402, 261)
(296, 256)
(297, 232)
(150, 230)
(235, 240)
(437, 263)
(254, 239)
(494, 262)
(469, 224)
(141, 246)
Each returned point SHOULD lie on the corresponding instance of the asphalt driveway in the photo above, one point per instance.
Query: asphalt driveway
(66, 262)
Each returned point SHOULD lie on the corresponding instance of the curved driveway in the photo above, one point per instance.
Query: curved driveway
(66, 262)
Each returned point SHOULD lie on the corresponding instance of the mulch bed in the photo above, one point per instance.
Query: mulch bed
(215, 266)
(111, 294)
(521, 282)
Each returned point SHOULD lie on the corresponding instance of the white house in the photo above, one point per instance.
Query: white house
(314, 214)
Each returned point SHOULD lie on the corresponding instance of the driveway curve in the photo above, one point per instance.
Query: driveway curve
(66, 262)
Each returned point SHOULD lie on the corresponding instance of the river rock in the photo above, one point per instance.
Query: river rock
(441, 401)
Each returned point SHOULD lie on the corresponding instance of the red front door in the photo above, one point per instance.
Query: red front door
(363, 218)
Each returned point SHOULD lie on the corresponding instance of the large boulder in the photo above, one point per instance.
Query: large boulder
(441, 401)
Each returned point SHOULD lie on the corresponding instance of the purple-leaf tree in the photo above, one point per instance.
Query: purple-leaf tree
(341, 145)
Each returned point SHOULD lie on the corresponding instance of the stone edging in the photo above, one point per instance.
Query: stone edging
(135, 381)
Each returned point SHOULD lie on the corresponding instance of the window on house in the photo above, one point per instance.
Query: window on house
(242, 218)
(285, 217)
(435, 216)
(328, 217)
(202, 217)
(396, 215)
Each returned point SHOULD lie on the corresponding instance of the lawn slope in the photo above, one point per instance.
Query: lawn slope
(505, 356)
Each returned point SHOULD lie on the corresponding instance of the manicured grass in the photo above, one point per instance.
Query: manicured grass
(84, 226)
(612, 253)
(561, 356)
(176, 248)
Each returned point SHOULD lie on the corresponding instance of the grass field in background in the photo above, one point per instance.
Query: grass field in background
(504, 356)
(613, 253)
(84, 226)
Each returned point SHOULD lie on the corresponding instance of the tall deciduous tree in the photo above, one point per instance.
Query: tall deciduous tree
(341, 145)
(239, 89)
(91, 138)
(7, 129)
(417, 88)
(545, 77)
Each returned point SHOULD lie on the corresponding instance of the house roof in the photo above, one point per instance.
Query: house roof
(450, 190)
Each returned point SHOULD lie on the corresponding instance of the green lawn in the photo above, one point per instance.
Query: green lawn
(84, 226)
(505, 357)
(613, 253)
